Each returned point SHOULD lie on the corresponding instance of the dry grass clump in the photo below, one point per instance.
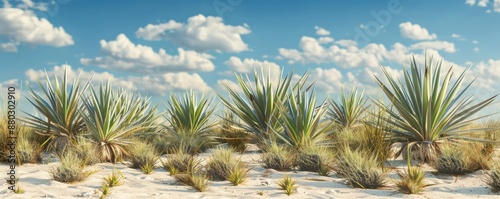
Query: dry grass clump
(220, 164)
(278, 157)
(143, 155)
(179, 162)
(193, 177)
(71, 169)
(315, 159)
(87, 151)
(238, 175)
(27, 150)
(493, 180)
(359, 168)
(287, 184)
(462, 159)
(235, 137)
(199, 182)
(114, 179)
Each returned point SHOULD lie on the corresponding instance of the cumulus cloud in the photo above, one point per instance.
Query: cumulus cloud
(457, 36)
(415, 32)
(123, 55)
(484, 3)
(321, 31)
(200, 33)
(438, 45)
(326, 80)
(155, 84)
(20, 26)
(325, 40)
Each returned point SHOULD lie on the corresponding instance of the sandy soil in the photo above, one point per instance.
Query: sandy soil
(36, 181)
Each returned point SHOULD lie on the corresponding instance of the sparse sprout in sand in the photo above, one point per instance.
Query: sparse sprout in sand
(287, 184)
(412, 182)
(19, 189)
(238, 175)
(147, 168)
(114, 179)
(105, 191)
(198, 181)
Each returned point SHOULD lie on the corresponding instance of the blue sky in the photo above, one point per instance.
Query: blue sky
(158, 47)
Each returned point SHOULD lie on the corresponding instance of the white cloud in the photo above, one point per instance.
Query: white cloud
(235, 64)
(200, 33)
(476, 49)
(321, 31)
(156, 84)
(438, 45)
(475, 42)
(325, 40)
(123, 55)
(457, 36)
(6, 84)
(470, 2)
(8, 47)
(489, 76)
(482, 3)
(222, 83)
(415, 32)
(28, 4)
(20, 26)
(327, 80)
(32, 75)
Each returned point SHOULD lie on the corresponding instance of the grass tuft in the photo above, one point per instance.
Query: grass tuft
(71, 169)
(142, 154)
(493, 180)
(360, 169)
(278, 157)
(287, 184)
(114, 179)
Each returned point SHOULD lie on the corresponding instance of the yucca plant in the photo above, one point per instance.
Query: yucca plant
(112, 117)
(428, 110)
(349, 111)
(258, 104)
(301, 121)
(58, 106)
(191, 122)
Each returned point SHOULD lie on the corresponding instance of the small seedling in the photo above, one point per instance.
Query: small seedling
(287, 184)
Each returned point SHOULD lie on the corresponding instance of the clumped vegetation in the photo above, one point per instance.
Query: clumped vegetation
(222, 163)
(58, 106)
(230, 133)
(428, 109)
(349, 112)
(191, 123)
(179, 162)
(315, 159)
(71, 168)
(278, 157)
(142, 154)
(359, 168)
(461, 159)
(412, 181)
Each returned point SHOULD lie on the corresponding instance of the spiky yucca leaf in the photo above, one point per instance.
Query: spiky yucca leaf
(258, 104)
(112, 117)
(58, 106)
(301, 121)
(428, 108)
(349, 111)
(191, 123)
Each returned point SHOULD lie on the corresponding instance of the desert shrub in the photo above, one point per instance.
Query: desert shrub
(27, 151)
(480, 158)
(86, 150)
(493, 180)
(190, 122)
(278, 157)
(453, 161)
(179, 162)
(287, 184)
(142, 154)
(222, 163)
(198, 181)
(359, 168)
(71, 168)
(315, 159)
(429, 108)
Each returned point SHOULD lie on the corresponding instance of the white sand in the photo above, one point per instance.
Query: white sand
(36, 181)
